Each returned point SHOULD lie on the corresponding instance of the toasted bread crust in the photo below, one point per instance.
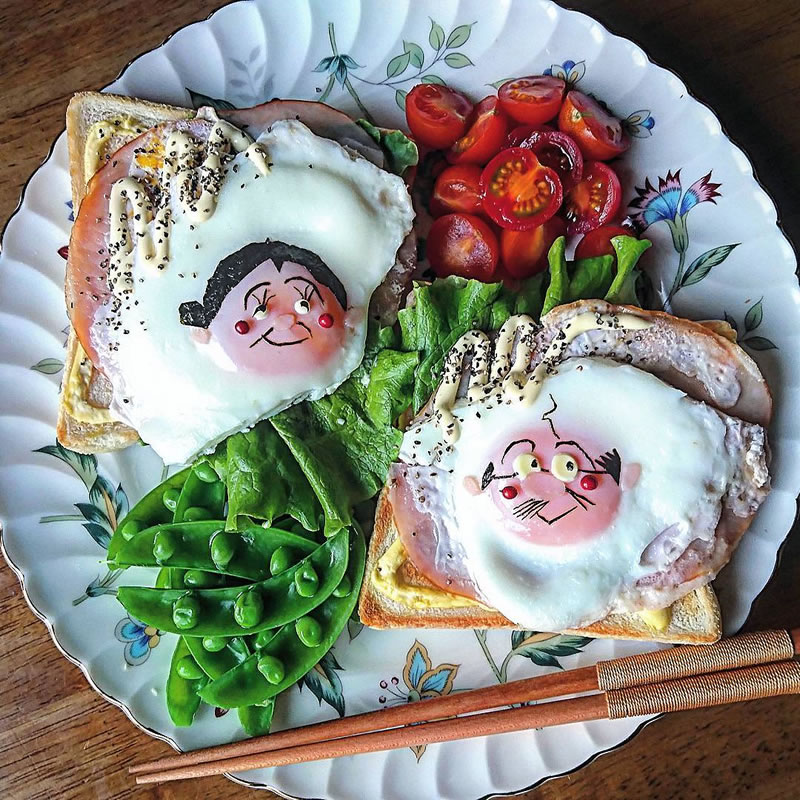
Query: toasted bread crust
(84, 109)
(695, 617)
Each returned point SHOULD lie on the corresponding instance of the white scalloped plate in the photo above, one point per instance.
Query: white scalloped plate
(362, 56)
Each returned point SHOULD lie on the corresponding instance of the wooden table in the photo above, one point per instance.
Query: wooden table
(59, 739)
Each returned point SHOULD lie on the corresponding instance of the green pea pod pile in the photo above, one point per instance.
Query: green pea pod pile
(257, 595)
(289, 655)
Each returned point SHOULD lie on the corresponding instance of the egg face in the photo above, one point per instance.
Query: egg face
(554, 487)
(555, 503)
(261, 305)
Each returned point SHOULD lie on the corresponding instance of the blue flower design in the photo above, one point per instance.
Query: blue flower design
(570, 71)
(639, 124)
(670, 204)
(139, 639)
(422, 680)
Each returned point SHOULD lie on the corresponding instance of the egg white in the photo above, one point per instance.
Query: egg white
(183, 396)
(685, 472)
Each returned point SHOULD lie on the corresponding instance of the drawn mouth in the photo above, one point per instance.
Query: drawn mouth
(533, 507)
(265, 337)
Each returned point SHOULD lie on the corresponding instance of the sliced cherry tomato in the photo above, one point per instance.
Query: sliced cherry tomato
(516, 136)
(437, 115)
(553, 149)
(457, 189)
(598, 241)
(486, 134)
(598, 133)
(534, 99)
(524, 253)
(462, 244)
(595, 200)
(518, 192)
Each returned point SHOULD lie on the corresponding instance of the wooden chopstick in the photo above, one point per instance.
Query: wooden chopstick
(748, 683)
(748, 649)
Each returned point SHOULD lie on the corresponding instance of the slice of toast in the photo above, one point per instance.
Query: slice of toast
(694, 619)
(84, 422)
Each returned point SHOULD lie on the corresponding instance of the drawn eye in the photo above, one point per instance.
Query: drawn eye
(525, 463)
(564, 467)
(302, 306)
(260, 312)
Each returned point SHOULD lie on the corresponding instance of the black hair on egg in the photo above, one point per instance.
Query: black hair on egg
(233, 269)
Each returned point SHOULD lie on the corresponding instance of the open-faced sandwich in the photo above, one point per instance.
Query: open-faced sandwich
(221, 267)
(593, 472)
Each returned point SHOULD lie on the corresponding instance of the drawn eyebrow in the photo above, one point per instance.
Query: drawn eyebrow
(516, 442)
(575, 444)
(310, 283)
(252, 289)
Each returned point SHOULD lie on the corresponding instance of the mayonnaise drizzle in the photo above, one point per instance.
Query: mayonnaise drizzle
(513, 381)
(129, 200)
(478, 343)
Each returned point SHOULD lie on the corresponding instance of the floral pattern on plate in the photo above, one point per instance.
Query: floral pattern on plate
(250, 52)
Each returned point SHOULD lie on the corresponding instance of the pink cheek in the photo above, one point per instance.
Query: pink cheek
(325, 320)
(588, 483)
(509, 492)
(242, 326)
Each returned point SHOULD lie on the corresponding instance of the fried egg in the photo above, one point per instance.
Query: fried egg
(555, 507)
(261, 305)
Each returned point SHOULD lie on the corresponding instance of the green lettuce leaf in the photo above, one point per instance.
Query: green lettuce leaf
(558, 289)
(628, 250)
(391, 381)
(264, 480)
(400, 151)
(591, 277)
(344, 450)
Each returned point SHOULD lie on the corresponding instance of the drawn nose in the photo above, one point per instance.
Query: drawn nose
(284, 322)
(543, 485)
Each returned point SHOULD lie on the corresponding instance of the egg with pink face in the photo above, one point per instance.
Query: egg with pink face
(262, 304)
(554, 504)
(554, 488)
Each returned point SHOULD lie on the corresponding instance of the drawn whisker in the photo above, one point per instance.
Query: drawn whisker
(529, 507)
(579, 497)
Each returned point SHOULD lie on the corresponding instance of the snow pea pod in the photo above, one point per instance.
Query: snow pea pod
(200, 499)
(216, 663)
(194, 545)
(256, 720)
(211, 612)
(149, 511)
(245, 684)
(182, 695)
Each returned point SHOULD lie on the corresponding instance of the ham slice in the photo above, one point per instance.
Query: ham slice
(319, 117)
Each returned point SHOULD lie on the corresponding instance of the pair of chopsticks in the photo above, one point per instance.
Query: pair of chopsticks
(746, 667)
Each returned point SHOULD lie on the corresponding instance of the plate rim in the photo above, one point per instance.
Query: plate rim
(692, 94)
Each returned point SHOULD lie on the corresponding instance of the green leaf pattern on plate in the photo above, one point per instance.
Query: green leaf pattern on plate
(752, 320)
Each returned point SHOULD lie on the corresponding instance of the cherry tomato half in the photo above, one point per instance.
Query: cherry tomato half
(457, 189)
(462, 244)
(486, 134)
(598, 133)
(598, 241)
(553, 149)
(595, 200)
(524, 253)
(437, 115)
(534, 99)
(518, 192)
